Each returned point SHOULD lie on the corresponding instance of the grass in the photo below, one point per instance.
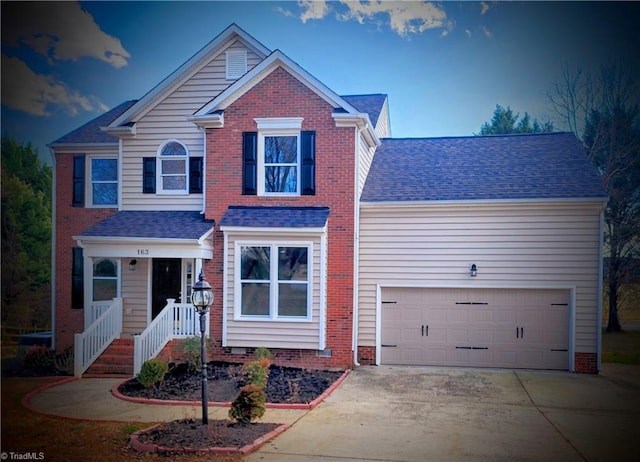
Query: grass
(60, 439)
(621, 347)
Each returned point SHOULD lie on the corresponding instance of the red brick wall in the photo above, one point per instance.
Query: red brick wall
(281, 95)
(70, 221)
(586, 363)
(367, 355)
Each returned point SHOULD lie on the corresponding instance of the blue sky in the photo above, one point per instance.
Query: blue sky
(444, 65)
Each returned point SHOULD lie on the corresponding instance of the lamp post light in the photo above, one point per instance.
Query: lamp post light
(202, 298)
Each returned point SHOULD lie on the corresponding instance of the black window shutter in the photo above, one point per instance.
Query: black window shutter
(78, 181)
(195, 175)
(149, 175)
(77, 279)
(250, 163)
(308, 167)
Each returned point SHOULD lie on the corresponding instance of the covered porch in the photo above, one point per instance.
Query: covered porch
(139, 268)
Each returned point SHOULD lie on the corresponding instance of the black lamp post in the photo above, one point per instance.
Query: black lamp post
(202, 298)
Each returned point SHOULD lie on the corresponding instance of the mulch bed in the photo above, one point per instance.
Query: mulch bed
(286, 384)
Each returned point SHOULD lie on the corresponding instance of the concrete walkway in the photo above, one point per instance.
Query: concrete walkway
(423, 414)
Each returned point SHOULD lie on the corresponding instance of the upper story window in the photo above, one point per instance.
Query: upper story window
(173, 171)
(279, 159)
(104, 182)
(236, 64)
(172, 165)
(95, 181)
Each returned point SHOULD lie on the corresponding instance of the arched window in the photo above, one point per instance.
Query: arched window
(105, 279)
(173, 159)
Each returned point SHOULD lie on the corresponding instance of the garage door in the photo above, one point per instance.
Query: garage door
(476, 327)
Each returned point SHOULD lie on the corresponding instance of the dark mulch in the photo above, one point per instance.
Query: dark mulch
(15, 367)
(224, 380)
(191, 433)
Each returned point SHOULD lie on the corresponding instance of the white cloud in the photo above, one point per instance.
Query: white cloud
(468, 32)
(485, 7)
(35, 94)
(487, 33)
(404, 17)
(61, 31)
(313, 9)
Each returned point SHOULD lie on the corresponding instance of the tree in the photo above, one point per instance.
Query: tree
(604, 104)
(505, 122)
(26, 237)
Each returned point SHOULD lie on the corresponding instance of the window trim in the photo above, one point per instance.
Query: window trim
(116, 278)
(273, 281)
(89, 181)
(159, 175)
(272, 127)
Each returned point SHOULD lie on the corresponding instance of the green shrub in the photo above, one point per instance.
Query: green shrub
(257, 372)
(263, 353)
(249, 404)
(152, 372)
(38, 357)
(189, 348)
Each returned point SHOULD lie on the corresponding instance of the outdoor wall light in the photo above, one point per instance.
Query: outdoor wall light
(132, 264)
(474, 270)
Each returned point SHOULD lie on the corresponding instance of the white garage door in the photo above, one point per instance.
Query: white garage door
(514, 328)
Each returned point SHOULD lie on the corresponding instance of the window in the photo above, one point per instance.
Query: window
(274, 281)
(172, 165)
(173, 171)
(279, 161)
(104, 182)
(105, 279)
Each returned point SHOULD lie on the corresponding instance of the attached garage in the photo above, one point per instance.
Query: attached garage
(524, 211)
(514, 328)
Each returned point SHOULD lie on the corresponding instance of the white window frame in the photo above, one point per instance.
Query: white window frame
(89, 181)
(116, 278)
(160, 176)
(273, 282)
(280, 126)
(235, 64)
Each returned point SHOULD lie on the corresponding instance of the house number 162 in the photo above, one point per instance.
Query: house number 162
(143, 251)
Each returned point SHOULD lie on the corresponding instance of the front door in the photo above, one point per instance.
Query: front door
(166, 283)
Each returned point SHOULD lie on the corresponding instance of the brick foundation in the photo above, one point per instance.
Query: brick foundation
(366, 355)
(586, 363)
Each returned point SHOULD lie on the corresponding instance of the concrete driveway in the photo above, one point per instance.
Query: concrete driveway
(445, 414)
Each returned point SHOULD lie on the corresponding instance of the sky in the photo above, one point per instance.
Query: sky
(444, 65)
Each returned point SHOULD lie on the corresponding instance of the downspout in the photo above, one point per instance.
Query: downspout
(204, 171)
(356, 247)
(599, 293)
(53, 249)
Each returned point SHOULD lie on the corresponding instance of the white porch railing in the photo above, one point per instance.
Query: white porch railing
(96, 309)
(176, 320)
(96, 338)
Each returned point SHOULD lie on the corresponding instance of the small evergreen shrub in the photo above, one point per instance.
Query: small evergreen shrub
(38, 357)
(190, 350)
(249, 404)
(152, 372)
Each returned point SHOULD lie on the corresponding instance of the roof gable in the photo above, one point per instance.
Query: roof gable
(195, 63)
(369, 104)
(500, 167)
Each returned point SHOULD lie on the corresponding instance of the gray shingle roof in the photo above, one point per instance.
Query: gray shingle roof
(161, 225)
(370, 104)
(276, 217)
(91, 133)
(541, 166)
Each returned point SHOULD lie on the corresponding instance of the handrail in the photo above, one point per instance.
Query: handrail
(96, 309)
(176, 320)
(90, 344)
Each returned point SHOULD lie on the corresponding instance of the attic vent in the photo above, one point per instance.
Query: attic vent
(236, 64)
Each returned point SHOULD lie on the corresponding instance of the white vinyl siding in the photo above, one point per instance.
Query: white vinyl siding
(383, 127)
(514, 246)
(365, 155)
(167, 120)
(296, 334)
(134, 296)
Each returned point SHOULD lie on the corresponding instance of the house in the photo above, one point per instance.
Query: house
(324, 239)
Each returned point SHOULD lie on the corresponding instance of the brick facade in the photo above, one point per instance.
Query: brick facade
(70, 221)
(281, 95)
(586, 363)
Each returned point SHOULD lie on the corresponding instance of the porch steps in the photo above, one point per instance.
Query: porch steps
(115, 361)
